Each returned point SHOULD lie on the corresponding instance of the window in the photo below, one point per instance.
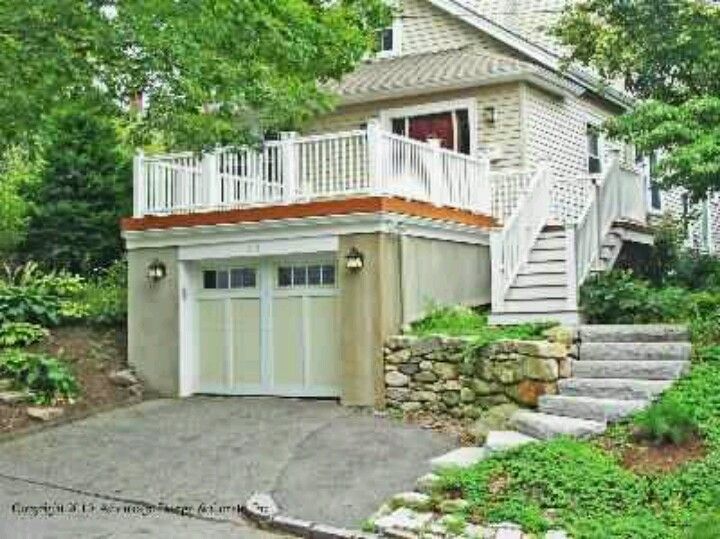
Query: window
(223, 279)
(593, 146)
(388, 40)
(451, 127)
(301, 275)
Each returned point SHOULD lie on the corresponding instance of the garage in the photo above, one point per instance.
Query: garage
(267, 327)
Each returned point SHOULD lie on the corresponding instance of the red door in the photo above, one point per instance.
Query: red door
(438, 126)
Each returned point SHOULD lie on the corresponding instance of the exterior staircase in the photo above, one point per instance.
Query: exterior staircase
(558, 233)
(620, 370)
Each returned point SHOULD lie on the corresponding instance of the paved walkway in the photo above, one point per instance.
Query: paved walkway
(203, 457)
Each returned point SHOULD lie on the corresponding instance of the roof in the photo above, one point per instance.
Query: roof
(530, 20)
(433, 71)
(524, 25)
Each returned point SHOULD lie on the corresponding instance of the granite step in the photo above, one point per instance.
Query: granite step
(633, 333)
(503, 440)
(637, 351)
(589, 408)
(613, 388)
(640, 370)
(547, 426)
(463, 457)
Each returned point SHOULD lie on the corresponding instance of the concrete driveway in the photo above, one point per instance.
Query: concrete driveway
(204, 456)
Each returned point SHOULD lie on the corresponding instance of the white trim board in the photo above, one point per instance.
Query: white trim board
(273, 247)
(305, 229)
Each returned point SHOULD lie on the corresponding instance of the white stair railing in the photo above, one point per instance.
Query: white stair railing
(618, 195)
(297, 169)
(510, 247)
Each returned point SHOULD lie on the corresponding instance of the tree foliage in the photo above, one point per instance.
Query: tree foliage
(214, 72)
(83, 190)
(667, 52)
(18, 173)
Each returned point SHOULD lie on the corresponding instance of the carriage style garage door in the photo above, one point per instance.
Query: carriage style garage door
(268, 328)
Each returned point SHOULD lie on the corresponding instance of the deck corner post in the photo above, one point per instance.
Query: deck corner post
(289, 166)
(139, 185)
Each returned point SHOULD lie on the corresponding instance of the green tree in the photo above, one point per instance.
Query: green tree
(667, 53)
(214, 72)
(19, 171)
(83, 190)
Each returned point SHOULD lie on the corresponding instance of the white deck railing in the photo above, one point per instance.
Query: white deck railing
(511, 246)
(297, 169)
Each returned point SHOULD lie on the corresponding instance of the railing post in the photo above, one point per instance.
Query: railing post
(378, 184)
(707, 221)
(435, 177)
(572, 267)
(483, 200)
(211, 179)
(289, 166)
(139, 184)
(497, 271)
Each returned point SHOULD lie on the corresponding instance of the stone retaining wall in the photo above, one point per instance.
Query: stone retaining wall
(447, 376)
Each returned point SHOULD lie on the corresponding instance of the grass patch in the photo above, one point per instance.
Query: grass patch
(464, 321)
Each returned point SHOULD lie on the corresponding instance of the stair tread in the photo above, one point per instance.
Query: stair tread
(604, 333)
(594, 408)
(545, 426)
(635, 351)
(632, 369)
(616, 388)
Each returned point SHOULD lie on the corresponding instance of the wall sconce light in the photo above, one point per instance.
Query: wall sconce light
(354, 260)
(156, 271)
(489, 115)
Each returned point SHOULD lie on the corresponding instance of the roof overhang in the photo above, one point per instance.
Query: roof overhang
(549, 86)
(533, 51)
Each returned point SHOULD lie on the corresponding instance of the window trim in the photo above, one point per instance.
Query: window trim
(229, 268)
(437, 107)
(396, 28)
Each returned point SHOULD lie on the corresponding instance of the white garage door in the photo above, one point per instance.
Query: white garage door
(269, 328)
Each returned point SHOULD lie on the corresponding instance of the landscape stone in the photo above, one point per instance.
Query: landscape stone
(411, 406)
(528, 392)
(412, 500)
(44, 413)
(561, 334)
(13, 397)
(401, 356)
(426, 365)
(503, 440)
(424, 396)
(496, 418)
(409, 368)
(481, 387)
(261, 506)
(397, 393)
(396, 379)
(537, 368)
(462, 457)
(542, 349)
(425, 376)
(426, 483)
(467, 395)
(451, 398)
(454, 505)
(123, 378)
(446, 371)
(404, 519)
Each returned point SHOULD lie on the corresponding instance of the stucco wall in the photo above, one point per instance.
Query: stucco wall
(443, 272)
(153, 326)
(369, 311)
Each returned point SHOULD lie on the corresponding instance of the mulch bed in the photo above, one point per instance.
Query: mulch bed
(652, 458)
(92, 354)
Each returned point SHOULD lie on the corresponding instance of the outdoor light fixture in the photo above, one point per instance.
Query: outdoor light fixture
(354, 260)
(156, 271)
(489, 115)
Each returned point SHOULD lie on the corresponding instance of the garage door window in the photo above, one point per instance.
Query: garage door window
(299, 276)
(222, 279)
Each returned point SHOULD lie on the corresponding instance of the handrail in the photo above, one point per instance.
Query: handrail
(510, 247)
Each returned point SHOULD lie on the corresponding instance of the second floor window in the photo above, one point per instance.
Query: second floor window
(593, 149)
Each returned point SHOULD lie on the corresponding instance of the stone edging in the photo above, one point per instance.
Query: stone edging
(262, 510)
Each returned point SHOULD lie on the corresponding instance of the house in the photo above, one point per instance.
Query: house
(460, 166)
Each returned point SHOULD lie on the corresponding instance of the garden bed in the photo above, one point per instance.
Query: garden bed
(92, 355)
